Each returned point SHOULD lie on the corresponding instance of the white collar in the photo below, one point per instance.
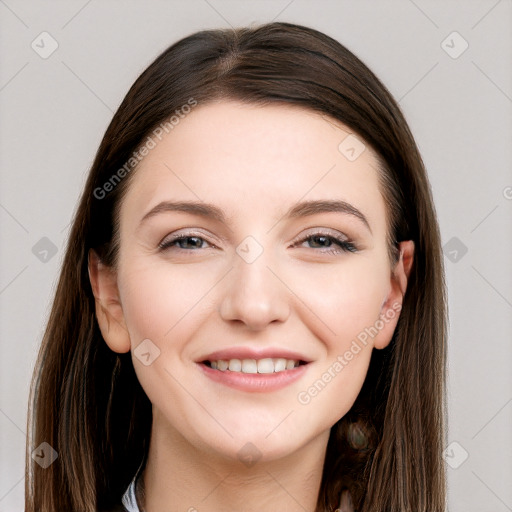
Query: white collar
(129, 500)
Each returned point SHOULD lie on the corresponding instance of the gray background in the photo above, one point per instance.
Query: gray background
(56, 109)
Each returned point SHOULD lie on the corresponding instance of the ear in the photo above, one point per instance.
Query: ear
(392, 304)
(109, 310)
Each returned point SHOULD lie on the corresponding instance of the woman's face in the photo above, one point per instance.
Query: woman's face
(254, 238)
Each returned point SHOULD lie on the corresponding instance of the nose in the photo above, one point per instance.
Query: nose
(253, 295)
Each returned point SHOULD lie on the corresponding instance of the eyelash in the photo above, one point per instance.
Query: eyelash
(344, 245)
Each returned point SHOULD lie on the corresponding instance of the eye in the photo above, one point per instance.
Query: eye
(184, 242)
(328, 243)
(333, 244)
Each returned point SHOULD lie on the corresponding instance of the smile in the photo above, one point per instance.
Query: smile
(252, 366)
(254, 375)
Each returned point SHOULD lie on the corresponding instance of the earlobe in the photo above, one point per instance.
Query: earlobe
(109, 312)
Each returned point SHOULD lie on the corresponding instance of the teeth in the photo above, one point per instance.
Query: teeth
(249, 366)
(290, 364)
(222, 365)
(267, 365)
(235, 365)
(279, 365)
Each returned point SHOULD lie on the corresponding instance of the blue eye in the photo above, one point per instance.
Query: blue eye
(181, 242)
(325, 241)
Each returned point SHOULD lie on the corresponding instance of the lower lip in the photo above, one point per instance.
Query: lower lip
(255, 382)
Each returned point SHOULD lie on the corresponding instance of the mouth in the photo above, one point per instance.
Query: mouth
(254, 369)
(265, 365)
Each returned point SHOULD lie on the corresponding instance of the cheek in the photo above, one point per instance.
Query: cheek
(159, 297)
(345, 298)
(165, 304)
(347, 304)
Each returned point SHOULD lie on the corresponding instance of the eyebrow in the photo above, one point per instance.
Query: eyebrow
(301, 209)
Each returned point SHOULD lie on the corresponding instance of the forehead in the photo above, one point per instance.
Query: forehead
(249, 158)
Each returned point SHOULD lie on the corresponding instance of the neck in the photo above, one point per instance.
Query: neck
(179, 477)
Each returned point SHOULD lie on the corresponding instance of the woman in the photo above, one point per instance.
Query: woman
(251, 311)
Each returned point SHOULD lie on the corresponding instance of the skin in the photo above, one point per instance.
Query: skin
(303, 294)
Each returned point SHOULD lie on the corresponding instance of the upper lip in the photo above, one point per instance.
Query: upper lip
(253, 353)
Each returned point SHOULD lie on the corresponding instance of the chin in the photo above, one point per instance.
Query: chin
(251, 450)
(253, 443)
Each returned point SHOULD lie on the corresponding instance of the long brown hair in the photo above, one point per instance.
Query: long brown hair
(86, 401)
